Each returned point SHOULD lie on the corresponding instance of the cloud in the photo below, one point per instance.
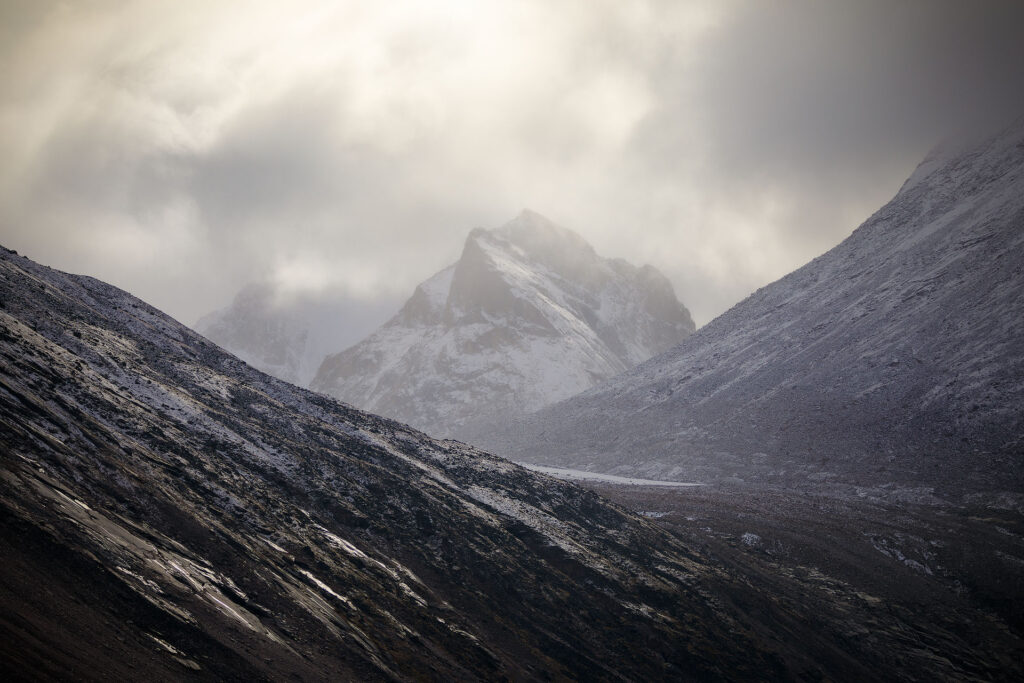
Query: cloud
(183, 149)
(793, 121)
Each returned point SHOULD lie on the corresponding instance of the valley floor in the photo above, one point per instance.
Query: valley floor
(845, 585)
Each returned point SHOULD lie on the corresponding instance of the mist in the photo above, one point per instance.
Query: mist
(183, 150)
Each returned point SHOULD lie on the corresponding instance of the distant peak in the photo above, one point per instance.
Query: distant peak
(536, 233)
(532, 218)
(529, 215)
(528, 219)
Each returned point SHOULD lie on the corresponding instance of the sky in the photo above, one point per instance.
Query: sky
(183, 149)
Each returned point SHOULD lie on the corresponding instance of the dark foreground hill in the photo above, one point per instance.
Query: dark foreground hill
(894, 360)
(168, 513)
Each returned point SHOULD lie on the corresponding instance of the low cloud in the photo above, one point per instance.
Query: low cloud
(183, 149)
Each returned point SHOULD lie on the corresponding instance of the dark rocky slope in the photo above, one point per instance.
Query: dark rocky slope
(838, 580)
(169, 513)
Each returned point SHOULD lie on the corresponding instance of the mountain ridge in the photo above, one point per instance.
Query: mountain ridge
(211, 522)
(878, 362)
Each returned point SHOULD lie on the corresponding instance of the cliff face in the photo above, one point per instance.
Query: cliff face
(529, 315)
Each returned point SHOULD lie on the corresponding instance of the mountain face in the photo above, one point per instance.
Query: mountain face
(897, 358)
(288, 335)
(529, 315)
(169, 512)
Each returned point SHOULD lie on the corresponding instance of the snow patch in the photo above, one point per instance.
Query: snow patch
(580, 475)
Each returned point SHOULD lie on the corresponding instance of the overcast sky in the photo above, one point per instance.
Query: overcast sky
(181, 149)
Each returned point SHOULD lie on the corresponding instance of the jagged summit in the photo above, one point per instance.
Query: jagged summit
(541, 239)
(528, 315)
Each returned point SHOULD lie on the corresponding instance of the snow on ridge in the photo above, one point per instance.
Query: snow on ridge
(529, 315)
(582, 475)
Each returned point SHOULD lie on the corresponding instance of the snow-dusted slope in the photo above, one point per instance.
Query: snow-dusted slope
(169, 513)
(529, 315)
(898, 356)
(288, 335)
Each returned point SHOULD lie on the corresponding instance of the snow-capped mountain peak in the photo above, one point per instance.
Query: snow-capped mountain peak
(528, 315)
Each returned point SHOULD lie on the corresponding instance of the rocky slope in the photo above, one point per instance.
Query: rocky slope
(529, 315)
(167, 513)
(946, 569)
(896, 359)
(170, 512)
